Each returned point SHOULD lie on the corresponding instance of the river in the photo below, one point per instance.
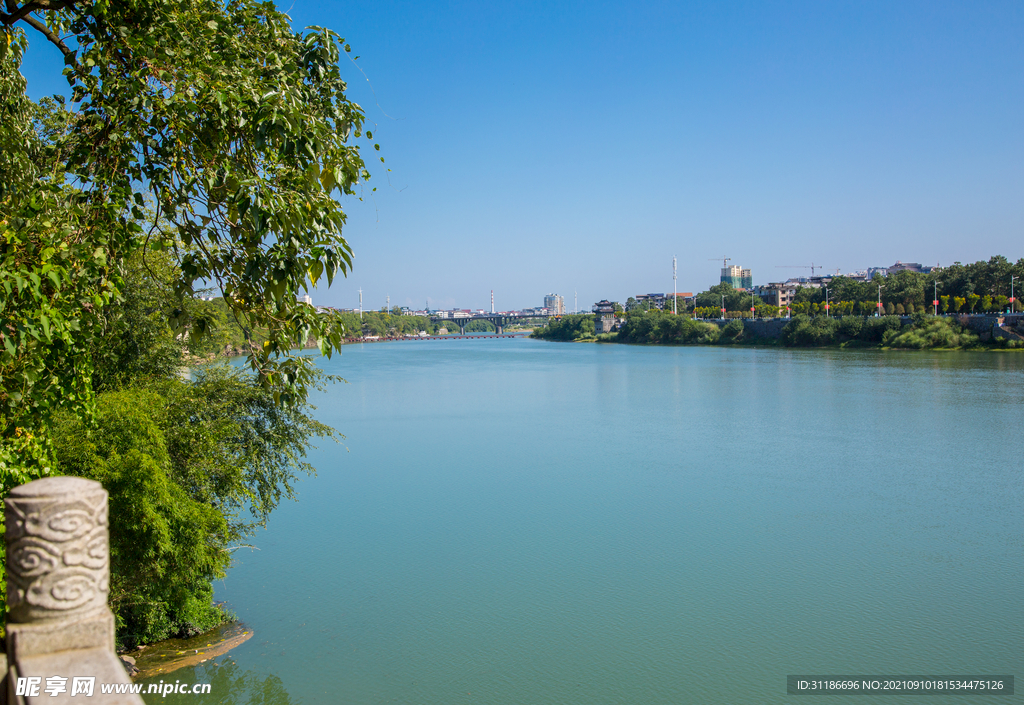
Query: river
(517, 521)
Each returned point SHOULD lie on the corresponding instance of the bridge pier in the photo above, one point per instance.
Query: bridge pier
(461, 323)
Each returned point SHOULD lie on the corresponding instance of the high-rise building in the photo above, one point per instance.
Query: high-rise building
(737, 277)
(555, 304)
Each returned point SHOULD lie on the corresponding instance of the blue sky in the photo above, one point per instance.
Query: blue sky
(552, 147)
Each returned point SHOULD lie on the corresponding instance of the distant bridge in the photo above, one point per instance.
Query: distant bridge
(500, 320)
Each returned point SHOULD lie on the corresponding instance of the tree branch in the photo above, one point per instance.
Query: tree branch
(17, 13)
(52, 36)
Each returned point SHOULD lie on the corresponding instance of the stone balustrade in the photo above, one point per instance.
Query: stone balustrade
(58, 576)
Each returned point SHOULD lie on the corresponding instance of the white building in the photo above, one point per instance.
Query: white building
(555, 304)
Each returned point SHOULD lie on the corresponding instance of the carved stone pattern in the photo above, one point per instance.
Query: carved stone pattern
(58, 555)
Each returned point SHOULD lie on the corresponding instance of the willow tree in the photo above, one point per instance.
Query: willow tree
(238, 129)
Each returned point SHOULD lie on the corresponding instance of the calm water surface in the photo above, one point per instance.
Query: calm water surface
(514, 521)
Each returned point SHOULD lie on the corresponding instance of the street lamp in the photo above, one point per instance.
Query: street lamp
(826, 301)
(878, 311)
(1012, 277)
(935, 297)
(723, 307)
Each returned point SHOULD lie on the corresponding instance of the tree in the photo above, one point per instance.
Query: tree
(205, 140)
(572, 327)
(166, 547)
(972, 301)
(240, 129)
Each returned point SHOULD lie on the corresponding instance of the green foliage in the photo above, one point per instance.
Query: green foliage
(166, 547)
(567, 328)
(132, 340)
(192, 468)
(804, 331)
(875, 328)
(732, 329)
(240, 130)
(933, 333)
(735, 300)
(662, 327)
(230, 446)
(206, 143)
(851, 326)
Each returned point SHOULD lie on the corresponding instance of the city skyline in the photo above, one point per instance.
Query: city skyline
(558, 147)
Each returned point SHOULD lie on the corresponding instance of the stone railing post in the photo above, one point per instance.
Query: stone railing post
(58, 578)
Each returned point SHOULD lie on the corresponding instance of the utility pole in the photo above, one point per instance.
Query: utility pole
(935, 297)
(826, 301)
(674, 287)
(574, 302)
(723, 307)
(388, 304)
(492, 300)
(878, 311)
(360, 303)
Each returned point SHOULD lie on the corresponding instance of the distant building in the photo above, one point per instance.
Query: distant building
(656, 300)
(555, 304)
(306, 298)
(604, 311)
(909, 266)
(737, 277)
(777, 293)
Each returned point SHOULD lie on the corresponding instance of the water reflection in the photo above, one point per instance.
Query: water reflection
(229, 685)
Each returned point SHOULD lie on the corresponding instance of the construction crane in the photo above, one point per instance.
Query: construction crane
(812, 266)
(724, 260)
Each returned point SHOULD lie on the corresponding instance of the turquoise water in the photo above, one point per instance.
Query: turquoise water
(516, 521)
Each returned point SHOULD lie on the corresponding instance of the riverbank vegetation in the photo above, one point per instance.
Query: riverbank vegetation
(203, 152)
(654, 327)
(574, 327)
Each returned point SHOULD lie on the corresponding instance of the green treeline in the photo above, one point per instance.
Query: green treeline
(385, 324)
(923, 331)
(654, 327)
